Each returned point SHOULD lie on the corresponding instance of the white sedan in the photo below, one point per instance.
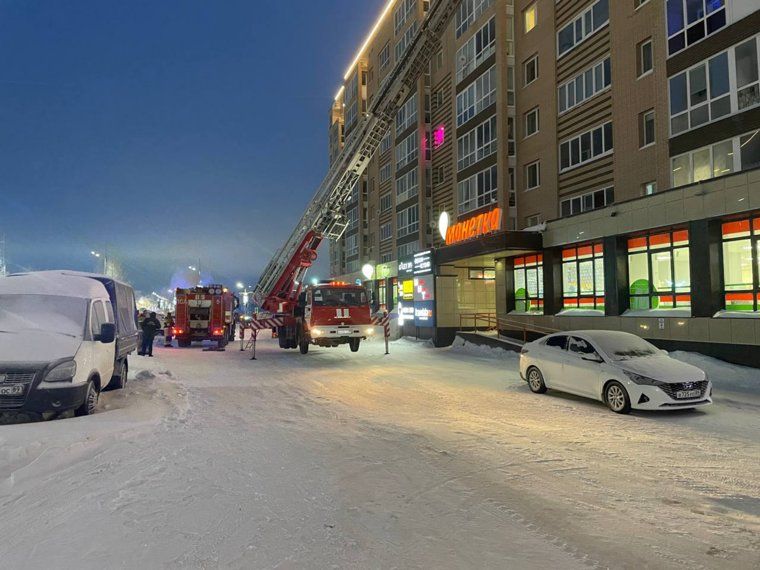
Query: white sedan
(621, 369)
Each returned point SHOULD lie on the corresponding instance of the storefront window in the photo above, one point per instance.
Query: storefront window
(529, 284)
(659, 274)
(583, 277)
(382, 295)
(741, 264)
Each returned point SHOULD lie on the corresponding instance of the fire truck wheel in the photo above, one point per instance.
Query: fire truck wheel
(354, 344)
(304, 347)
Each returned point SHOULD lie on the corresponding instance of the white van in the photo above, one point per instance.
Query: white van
(64, 338)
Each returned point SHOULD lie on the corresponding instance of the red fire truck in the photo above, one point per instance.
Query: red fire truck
(330, 314)
(205, 313)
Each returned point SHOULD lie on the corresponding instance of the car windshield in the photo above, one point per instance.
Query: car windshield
(50, 313)
(339, 297)
(625, 346)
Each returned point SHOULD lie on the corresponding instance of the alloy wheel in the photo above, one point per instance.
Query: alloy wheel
(615, 398)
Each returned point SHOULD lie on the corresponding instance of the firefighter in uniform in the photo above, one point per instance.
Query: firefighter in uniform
(168, 329)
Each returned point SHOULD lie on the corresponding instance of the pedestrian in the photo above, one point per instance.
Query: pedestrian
(168, 329)
(150, 328)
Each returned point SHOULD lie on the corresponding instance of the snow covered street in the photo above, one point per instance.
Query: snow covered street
(422, 459)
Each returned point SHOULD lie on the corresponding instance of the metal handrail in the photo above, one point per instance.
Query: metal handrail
(490, 321)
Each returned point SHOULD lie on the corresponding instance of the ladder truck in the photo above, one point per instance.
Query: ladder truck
(281, 284)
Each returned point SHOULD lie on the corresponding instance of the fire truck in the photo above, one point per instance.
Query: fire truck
(205, 313)
(280, 289)
(332, 313)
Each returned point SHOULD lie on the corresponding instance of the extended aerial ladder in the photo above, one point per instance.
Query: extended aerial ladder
(281, 282)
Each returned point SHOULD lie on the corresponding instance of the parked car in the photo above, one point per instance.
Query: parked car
(64, 338)
(621, 369)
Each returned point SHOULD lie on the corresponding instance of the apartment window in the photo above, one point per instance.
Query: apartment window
(659, 271)
(386, 202)
(529, 284)
(477, 144)
(385, 173)
(649, 188)
(582, 26)
(741, 265)
(690, 21)
(407, 151)
(533, 221)
(386, 258)
(477, 191)
(530, 70)
(439, 175)
(512, 189)
(408, 221)
(645, 57)
(468, 12)
(530, 15)
(352, 266)
(407, 186)
(403, 44)
(476, 97)
(510, 86)
(476, 50)
(352, 245)
(586, 147)
(700, 95)
(407, 114)
(402, 13)
(385, 143)
(585, 85)
(587, 202)
(510, 136)
(725, 157)
(531, 122)
(352, 217)
(747, 74)
(386, 231)
(583, 277)
(408, 249)
(533, 175)
(385, 56)
(646, 129)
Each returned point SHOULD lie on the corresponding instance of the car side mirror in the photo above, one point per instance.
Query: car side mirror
(107, 333)
(593, 357)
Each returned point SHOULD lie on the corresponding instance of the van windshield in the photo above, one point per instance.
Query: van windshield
(339, 297)
(51, 313)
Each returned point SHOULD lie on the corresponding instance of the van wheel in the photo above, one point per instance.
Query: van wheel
(90, 403)
(354, 344)
(119, 378)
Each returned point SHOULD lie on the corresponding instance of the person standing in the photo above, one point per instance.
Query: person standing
(150, 328)
(168, 330)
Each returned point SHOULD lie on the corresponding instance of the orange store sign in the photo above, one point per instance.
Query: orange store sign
(476, 226)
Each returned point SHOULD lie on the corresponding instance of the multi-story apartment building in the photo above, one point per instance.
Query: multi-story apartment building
(596, 163)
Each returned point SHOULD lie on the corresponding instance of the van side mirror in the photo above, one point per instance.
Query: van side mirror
(107, 333)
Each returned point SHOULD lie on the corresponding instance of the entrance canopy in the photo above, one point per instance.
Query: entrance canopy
(487, 248)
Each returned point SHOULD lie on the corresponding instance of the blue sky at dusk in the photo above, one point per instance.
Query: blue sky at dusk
(166, 131)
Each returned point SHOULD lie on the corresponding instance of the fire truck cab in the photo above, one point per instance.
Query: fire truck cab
(331, 314)
(205, 313)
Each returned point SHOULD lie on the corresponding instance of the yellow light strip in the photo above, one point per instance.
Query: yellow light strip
(371, 34)
(340, 92)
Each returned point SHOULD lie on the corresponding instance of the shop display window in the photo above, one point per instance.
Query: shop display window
(529, 284)
(659, 274)
(741, 265)
(583, 277)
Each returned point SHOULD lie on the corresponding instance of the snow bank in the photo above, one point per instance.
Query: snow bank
(724, 376)
(465, 348)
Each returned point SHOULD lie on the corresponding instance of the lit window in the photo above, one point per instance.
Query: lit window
(649, 188)
(583, 277)
(530, 14)
(690, 21)
(659, 271)
(529, 284)
(741, 262)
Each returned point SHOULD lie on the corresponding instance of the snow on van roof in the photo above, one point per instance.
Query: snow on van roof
(58, 283)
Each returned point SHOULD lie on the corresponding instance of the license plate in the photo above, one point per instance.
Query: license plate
(12, 390)
(683, 394)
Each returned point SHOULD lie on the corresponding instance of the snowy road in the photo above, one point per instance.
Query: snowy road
(422, 459)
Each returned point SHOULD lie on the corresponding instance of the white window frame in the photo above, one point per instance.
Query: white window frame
(687, 25)
(586, 31)
(468, 13)
(737, 159)
(534, 60)
(384, 58)
(478, 191)
(403, 44)
(536, 164)
(407, 186)
(477, 144)
(534, 111)
(408, 221)
(401, 14)
(407, 151)
(407, 249)
(605, 151)
(477, 96)
(476, 50)
(406, 116)
(386, 231)
(644, 72)
(385, 173)
(643, 127)
(352, 245)
(386, 202)
(386, 142)
(534, 8)
(599, 69)
(585, 199)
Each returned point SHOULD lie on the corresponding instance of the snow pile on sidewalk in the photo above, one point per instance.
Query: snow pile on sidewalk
(724, 376)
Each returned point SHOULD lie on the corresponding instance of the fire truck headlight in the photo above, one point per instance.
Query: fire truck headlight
(316, 332)
(370, 331)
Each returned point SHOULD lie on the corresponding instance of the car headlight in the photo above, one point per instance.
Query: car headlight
(642, 380)
(64, 372)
